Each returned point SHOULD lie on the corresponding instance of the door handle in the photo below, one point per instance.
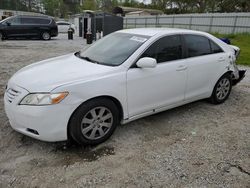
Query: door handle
(181, 68)
(221, 59)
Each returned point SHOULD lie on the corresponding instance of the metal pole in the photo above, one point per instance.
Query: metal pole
(173, 22)
(211, 23)
(190, 22)
(235, 23)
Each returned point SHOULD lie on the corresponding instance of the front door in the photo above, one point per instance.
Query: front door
(13, 27)
(152, 88)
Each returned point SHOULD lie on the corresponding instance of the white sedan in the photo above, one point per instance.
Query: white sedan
(126, 75)
(63, 26)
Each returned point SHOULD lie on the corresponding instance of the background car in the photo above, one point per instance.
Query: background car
(43, 27)
(64, 26)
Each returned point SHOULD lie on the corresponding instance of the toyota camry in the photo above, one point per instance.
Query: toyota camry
(124, 76)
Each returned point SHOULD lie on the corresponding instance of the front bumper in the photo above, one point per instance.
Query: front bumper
(46, 123)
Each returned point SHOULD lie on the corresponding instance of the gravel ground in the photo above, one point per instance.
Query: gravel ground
(196, 145)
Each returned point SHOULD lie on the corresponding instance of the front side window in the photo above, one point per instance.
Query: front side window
(113, 49)
(197, 45)
(168, 48)
(12, 21)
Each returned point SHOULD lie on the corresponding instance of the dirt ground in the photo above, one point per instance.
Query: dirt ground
(196, 145)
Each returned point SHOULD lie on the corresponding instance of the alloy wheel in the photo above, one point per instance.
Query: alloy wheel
(46, 36)
(96, 123)
(223, 89)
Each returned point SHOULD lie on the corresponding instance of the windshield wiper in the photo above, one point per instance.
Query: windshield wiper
(86, 58)
(90, 60)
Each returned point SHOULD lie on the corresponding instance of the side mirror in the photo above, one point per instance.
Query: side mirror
(8, 23)
(146, 62)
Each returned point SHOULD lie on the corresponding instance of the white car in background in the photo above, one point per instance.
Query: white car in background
(64, 26)
(124, 76)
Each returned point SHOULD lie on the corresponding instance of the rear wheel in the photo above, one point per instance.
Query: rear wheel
(1, 36)
(46, 35)
(222, 89)
(94, 121)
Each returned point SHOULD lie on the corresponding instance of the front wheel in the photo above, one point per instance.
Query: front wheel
(94, 121)
(45, 35)
(222, 89)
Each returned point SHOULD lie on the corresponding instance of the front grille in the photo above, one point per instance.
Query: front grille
(12, 94)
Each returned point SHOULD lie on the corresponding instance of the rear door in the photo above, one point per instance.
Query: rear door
(206, 61)
(30, 26)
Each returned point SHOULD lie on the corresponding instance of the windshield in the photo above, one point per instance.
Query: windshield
(113, 49)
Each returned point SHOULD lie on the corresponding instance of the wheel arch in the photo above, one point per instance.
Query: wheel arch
(115, 100)
(230, 72)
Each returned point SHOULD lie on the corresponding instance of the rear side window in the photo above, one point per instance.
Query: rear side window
(215, 48)
(168, 48)
(43, 21)
(28, 21)
(197, 45)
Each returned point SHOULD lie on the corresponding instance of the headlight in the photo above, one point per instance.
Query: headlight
(43, 98)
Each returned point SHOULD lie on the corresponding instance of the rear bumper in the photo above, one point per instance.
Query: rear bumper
(242, 74)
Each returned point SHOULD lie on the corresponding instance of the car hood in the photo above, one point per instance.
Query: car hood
(46, 75)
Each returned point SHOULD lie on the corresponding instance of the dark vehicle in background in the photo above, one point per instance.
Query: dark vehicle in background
(43, 27)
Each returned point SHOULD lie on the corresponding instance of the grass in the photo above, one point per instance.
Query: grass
(243, 42)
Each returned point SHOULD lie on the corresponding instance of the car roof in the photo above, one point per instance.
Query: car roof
(155, 31)
(34, 16)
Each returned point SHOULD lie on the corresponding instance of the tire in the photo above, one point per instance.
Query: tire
(222, 89)
(1, 36)
(45, 35)
(94, 121)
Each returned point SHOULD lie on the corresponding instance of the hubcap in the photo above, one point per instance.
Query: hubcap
(223, 89)
(96, 123)
(46, 36)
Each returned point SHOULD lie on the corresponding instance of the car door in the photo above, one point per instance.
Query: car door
(205, 61)
(152, 88)
(13, 27)
(30, 26)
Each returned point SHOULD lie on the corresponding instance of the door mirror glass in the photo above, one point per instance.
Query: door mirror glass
(146, 62)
